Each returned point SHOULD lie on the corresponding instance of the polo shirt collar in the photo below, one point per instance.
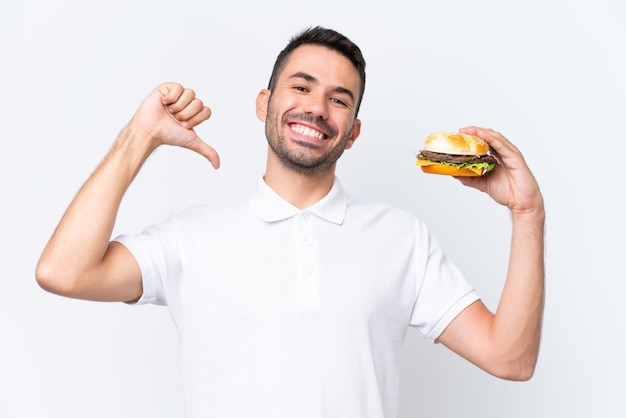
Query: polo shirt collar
(270, 207)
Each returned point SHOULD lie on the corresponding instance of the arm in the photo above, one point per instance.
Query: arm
(506, 344)
(78, 260)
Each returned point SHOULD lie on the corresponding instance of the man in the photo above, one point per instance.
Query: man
(293, 304)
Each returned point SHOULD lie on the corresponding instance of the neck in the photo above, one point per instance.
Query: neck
(299, 189)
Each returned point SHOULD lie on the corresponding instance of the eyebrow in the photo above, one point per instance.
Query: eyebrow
(311, 79)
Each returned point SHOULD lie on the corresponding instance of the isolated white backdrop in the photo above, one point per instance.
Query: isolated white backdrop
(548, 74)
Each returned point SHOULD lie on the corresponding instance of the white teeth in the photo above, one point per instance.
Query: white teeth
(306, 131)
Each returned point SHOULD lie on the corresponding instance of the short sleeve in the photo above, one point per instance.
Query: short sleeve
(156, 252)
(442, 290)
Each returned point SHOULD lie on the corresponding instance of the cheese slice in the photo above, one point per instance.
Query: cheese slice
(424, 162)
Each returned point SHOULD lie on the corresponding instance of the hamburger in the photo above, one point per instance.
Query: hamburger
(455, 154)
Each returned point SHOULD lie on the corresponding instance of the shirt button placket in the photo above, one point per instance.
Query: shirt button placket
(308, 281)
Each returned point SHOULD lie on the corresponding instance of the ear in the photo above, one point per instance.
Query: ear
(261, 104)
(356, 131)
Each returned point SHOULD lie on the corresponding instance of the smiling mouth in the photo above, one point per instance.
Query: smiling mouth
(308, 132)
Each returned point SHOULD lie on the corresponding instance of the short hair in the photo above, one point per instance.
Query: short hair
(324, 37)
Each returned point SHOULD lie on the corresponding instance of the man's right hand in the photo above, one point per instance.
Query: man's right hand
(169, 115)
(79, 261)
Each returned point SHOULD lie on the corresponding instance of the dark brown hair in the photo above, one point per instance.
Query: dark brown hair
(330, 39)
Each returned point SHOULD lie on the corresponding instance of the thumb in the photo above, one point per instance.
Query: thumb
(205, 150)
(473, 182)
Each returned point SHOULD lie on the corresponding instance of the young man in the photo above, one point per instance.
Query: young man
(292, 303)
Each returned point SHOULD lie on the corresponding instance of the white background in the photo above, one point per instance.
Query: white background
(550, 75)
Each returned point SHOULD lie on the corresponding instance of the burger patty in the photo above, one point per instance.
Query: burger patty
(458, 159)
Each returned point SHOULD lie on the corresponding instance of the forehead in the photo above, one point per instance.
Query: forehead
(324, 64)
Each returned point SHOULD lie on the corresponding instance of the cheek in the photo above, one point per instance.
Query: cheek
(347, 125)
(282, 101)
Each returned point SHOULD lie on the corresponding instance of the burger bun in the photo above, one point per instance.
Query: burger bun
(455, 143)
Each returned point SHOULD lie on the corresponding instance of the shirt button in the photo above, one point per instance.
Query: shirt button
(308, 242)
(306, 216)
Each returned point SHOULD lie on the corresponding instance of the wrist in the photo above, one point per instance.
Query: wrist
(130, 150)
(535, 216)
(135, 141)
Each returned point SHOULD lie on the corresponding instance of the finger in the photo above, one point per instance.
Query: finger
(500, 146)
(170, 92)
(191, 110)
(487, 134)
(184, 99)
(196, 117)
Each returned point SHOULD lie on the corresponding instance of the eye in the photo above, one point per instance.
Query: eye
(301, 88)
(338, 101)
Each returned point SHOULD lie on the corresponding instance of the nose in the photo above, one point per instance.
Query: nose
(317, 105)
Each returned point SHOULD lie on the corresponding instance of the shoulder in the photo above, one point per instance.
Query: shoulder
(203, 217)
(384, 215)
(361, 206)
(205, 213)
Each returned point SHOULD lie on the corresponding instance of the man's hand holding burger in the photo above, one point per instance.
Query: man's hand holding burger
(511, 182)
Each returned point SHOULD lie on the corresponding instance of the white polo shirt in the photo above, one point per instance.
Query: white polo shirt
(286, 313)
